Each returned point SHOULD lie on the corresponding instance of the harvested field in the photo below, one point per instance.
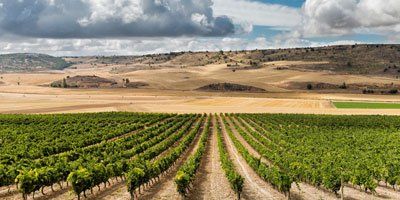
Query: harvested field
(173, 89)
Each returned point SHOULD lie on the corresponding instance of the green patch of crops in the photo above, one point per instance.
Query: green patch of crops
(366, 105)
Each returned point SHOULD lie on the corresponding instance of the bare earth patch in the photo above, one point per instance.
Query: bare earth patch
(255, 187)
(166, 188)
(211, 182)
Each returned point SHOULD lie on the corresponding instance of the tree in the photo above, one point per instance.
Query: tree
(343, 86)
(309, 86)
(64, 83)
(393, 91)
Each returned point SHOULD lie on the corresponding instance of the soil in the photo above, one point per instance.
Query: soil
(166, 188)
(255, 187)
(211, 182)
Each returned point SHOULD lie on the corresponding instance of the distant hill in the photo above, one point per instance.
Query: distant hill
(30, 62)
(377, 59)
(366, 59)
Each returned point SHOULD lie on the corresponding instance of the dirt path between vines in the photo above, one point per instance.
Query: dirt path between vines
(387, 191)
(254, 186)
(351, 192)
(166, 188)
(65, 192)
(211, 182)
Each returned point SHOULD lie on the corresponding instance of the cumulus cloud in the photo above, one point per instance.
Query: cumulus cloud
(339, 17)
(141, 46)
(257, 13)
(126, 27)
(133, 46)
(111, 18)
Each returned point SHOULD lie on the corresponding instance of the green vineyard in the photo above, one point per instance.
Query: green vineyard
(146, 154)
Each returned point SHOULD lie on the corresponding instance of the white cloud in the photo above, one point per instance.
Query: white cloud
(112, 18)
(104, 10)
(140, 46)
(117, 27)
(257, 13)
(329, 16)
(375, 13)
(339, 17)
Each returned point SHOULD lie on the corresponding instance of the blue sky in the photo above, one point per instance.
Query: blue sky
(291, 3)
(271, 31)
(268, 31)
(132, 27)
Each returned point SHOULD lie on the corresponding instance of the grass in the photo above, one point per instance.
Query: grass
(366, 105)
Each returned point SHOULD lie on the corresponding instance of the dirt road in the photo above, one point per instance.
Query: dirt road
(211, 182)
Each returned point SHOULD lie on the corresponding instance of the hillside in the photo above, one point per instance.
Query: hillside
(377, 59)
(371, 59)
(350, 59)
(30, 62)
(353, 59)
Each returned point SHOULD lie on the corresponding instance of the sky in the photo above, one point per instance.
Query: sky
(135, 27)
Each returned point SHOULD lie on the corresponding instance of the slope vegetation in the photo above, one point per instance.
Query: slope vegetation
(30, 62)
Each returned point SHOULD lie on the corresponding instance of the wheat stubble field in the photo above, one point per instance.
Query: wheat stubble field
(170, 87)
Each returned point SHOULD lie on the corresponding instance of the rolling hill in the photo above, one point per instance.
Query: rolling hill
(30, 62)
(374, 59)
(363, 59)
(371, 59)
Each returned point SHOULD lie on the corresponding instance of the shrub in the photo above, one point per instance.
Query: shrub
(343, 86)
(368, 91)
(393, 91)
